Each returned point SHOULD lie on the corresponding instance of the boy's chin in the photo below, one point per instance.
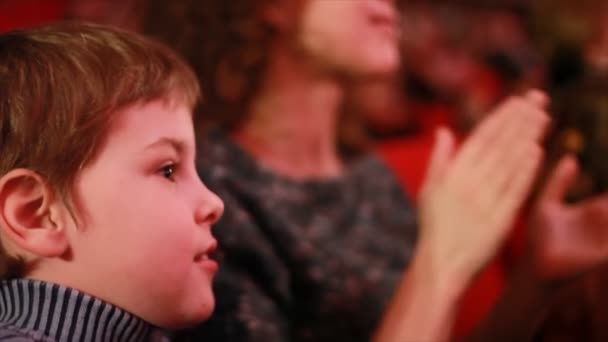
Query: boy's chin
(192, 317)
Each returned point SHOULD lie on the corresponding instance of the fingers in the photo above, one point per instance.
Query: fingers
(502, 159)
(441, 156)
(517, 190)
(541, 100)
(538, 98)
(483, 136)
(560, 181)
(574, 238)
(519, 120)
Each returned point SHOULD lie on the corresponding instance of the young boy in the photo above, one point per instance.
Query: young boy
(104, 223)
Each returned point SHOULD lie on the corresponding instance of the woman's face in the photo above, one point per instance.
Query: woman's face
(352, 37)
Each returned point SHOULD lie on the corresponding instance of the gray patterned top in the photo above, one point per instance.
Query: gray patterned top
(309, 260)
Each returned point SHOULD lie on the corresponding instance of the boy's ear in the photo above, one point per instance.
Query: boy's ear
(31, 217)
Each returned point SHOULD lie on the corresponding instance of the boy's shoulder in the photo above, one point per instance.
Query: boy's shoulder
(34, 310)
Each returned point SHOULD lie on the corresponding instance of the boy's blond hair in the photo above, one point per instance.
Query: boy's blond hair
(61, 85)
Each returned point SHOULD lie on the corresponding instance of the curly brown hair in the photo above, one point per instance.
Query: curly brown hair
(227, 42)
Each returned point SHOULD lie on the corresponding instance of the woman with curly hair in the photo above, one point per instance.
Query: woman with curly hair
(315, 239)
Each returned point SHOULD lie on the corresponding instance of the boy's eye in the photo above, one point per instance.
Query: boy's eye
(168, 171)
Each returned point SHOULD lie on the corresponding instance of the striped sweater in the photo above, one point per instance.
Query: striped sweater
(32, 310)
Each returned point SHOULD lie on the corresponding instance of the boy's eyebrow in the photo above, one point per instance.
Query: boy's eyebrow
(176, 144)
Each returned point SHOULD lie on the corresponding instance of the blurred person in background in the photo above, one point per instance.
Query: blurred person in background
(574, 33)
(334, 257)
(313, 242)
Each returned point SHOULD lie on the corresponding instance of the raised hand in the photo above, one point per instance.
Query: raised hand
(470, 198)
(467, 205)
(567, 240)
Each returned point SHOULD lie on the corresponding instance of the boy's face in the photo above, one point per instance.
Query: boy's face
(145, 219)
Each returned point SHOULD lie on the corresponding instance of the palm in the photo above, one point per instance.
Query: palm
(568, 239)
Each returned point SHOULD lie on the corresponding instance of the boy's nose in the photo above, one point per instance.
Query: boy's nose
(210, 208)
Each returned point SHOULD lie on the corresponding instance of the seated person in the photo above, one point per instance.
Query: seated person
(319, 245)
(104, 223)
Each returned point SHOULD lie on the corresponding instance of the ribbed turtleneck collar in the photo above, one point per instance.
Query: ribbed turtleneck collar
(52, 312)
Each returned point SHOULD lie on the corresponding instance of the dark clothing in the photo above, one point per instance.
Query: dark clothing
(32, 310)
(313, 260)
